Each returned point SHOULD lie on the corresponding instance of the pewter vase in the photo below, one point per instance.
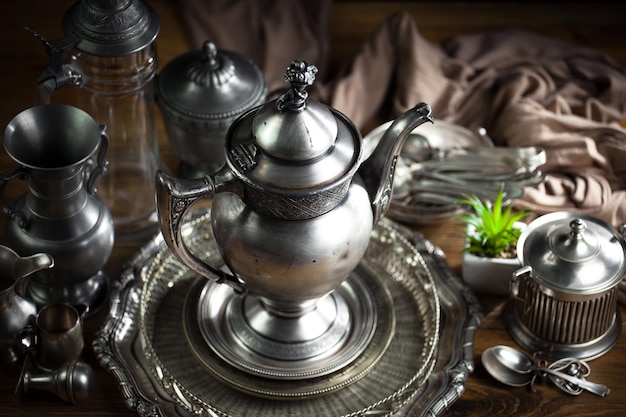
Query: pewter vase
(16, 311)
(59, 214)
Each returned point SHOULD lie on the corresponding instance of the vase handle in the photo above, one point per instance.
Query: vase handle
(101, 162)
(9, 210)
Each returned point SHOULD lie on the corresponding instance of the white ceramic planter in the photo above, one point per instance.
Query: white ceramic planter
(490, 275)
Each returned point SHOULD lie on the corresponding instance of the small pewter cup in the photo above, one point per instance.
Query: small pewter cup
(59, 336)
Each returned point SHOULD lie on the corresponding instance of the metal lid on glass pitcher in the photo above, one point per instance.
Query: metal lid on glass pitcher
(211, 83)
(111, 27)
(573, 253)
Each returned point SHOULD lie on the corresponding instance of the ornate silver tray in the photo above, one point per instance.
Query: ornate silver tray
(160, 375)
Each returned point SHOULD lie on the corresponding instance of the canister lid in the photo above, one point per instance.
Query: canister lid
(573, 253)
(211, 83)
(111, 28)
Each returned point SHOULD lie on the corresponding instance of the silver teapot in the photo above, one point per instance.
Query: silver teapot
(293, 206)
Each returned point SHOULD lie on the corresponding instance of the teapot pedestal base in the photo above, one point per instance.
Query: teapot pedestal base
(224, 327)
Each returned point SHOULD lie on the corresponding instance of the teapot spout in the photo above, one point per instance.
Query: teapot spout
(377, 171)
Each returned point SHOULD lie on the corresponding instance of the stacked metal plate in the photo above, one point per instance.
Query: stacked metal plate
(414, 365)
(442, 163)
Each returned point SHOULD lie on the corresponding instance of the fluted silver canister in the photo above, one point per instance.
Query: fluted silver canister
(200, 93)
(564, 298)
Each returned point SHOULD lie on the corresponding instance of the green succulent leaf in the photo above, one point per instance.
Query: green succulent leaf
(491, 226)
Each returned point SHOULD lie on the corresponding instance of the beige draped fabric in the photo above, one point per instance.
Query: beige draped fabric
(525, 89)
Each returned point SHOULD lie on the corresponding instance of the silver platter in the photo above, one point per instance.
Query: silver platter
(160, 375)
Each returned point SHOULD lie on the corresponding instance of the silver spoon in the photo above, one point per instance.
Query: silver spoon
(514, 368)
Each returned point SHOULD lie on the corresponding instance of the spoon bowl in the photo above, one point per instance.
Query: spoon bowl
(514, 368)
(503, 365)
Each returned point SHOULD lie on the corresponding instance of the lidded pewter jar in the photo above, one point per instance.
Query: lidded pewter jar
(200, 93)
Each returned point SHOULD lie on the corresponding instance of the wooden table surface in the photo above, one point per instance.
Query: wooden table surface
(595, 25)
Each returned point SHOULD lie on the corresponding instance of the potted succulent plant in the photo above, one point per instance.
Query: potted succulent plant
(490, 255)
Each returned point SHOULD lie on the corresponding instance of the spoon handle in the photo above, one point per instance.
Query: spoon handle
(592, 387)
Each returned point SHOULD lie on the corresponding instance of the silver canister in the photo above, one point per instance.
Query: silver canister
(564, 298)
(200, 93)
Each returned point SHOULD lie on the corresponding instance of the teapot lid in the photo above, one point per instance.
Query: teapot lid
(294, 129)
(294, 143)
(211, 83)
(573, 252)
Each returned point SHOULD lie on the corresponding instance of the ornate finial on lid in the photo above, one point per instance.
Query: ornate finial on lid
(292, 129)
(212, 69)
(577, 226)
(578, 244)
(209, 53)
(300, 74)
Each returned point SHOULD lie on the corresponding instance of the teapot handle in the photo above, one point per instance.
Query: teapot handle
(174, 198)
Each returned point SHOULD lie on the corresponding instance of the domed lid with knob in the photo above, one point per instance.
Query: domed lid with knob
(294, 144)
(573, 253)
(211, 83)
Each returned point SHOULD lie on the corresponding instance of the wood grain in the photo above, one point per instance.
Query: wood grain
(596, 25)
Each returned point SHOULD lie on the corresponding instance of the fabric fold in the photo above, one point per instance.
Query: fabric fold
(524, 88)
